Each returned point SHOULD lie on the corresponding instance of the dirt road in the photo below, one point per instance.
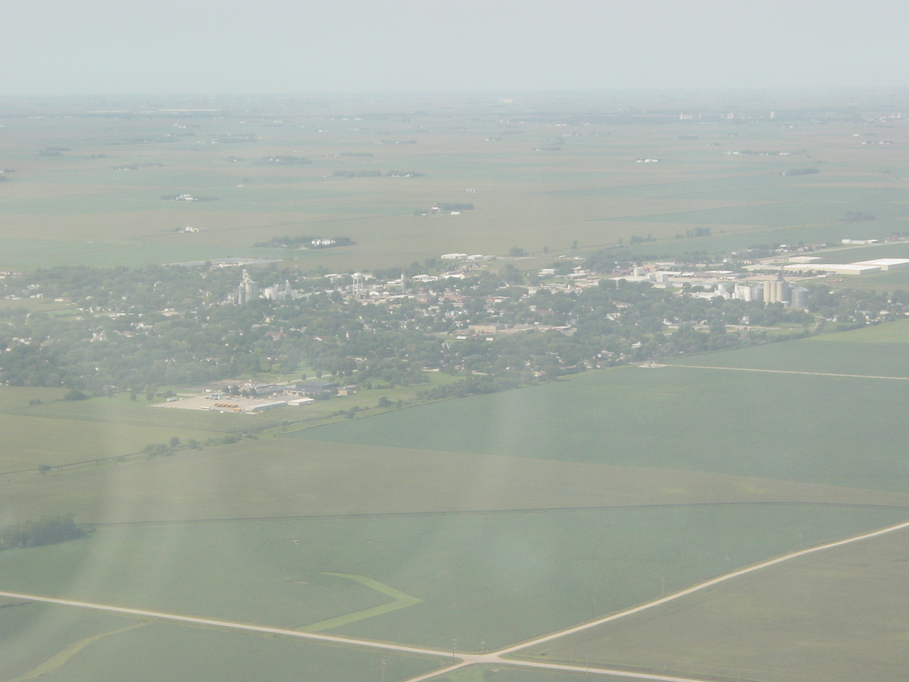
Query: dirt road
(463, 660)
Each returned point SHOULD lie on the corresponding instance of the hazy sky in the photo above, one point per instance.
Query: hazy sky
(302, 46)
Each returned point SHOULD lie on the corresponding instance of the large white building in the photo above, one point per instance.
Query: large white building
(886, 263)
(837, 268)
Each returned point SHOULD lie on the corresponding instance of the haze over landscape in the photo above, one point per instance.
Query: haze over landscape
(207, 47)
(463, 342)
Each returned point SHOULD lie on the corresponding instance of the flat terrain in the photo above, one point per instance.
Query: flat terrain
(809, 428)
(97, 188)
(476, 524)
(828, 616)
(488, 580)
(75, 645)
(489, 536)
(44, 429)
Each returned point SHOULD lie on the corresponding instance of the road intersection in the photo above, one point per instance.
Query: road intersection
(463, 659)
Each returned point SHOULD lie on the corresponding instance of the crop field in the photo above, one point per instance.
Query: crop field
(40, 428)
(92, 190)
(878, 350)
(487, 580)
(76, 646)
(807, 428)
(28, 442)
(838, 615)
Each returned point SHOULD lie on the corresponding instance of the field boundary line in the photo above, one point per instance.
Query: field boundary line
(793, 371)
(517, 510)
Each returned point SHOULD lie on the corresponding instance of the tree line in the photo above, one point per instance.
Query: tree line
(46, 531)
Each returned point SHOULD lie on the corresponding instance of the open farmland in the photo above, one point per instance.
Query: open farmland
(66, 644)
(528, 573)
(466, 525)
(809, 428)
(91, 188)
(331, 531)
(835, 615)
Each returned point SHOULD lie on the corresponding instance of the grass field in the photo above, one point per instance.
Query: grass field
(269, 478)
(878, 350)
(30, 442)
(838, 615)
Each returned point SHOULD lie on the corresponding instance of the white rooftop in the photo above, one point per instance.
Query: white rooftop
(842, 268)
(887, 263)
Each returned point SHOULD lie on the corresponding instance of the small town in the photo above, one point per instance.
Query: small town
(493, 321)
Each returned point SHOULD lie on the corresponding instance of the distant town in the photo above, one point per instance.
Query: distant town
(492, 321)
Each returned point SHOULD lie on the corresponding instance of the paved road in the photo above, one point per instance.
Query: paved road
(463, 660)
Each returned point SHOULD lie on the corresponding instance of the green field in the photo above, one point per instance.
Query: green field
(782, 426)
(44, 429)
(829, 616)
(488, 580)
(65, 644)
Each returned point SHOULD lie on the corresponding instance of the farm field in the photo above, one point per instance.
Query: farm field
(42, 428)
(30, 442)
(872, 351)
(835, 615)
(804, 428)
(487, 580)
(74, 645)
(92, 190)
(328, 529)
